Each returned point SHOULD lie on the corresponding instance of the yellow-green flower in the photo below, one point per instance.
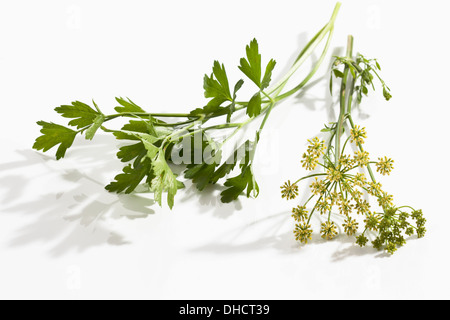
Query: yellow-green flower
(328, 230)
(289, 191)
(318, 187)
(350, 226)
(374, 188)
(309, 161)
(316, 147)
(372, 221)
(303, 232)
(323, 206)
(358, 134)
(385, 165)
(362, 206)
(346, 162)
(360, 180)
(300, 213)
(345, 207)
(385, 200)
(334, 175)
(362, 158)
(361, 240)
(334, 198)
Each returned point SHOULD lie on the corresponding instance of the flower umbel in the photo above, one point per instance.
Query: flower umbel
(385, 165)
(303, 232)
(358, 135)
(344, 188)
(289, 191)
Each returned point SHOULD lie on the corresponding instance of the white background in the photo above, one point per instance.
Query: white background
(63, 236)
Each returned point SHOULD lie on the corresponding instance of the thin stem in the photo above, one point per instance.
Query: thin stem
(310, 176)
(309, 48)
(313, 71)
(369, 169)
(342, 102)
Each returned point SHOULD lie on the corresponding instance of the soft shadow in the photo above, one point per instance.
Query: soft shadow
(272, 234)
(79, 216)
(78, 219)
(302, 40)
(208, 200)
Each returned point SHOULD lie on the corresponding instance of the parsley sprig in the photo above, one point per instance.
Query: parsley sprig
(345, 180)
(153, 137)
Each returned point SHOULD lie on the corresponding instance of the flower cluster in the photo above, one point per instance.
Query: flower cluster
(344, 187)
(315, 150)
(347, 183)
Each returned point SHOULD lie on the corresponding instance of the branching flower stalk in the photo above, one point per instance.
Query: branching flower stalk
(347, 181)
(155, 136)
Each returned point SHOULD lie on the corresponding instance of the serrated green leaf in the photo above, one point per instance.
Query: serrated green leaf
(251, 66)
(148, 141)
(164, 180)
(238, 184)
(82, 114)
(245, 180)
(54, 134)
(209, 111)
(200, 174)
(268, 74)
(132, 126)
(98, 121)
(254, 105)
(131, 177)
(131, 152)
(218, 87)
(127, 106)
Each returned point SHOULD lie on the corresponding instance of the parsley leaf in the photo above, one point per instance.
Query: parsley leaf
(128, 128)
(130, 152)
(131, 177)
(217, 88)
(98, 121)
(54, 134)
(127, 106)
(245, 180)
(254, 105)
(82, 114)
(268, 74)
(251, 67)
(238, 184)
(164, 180)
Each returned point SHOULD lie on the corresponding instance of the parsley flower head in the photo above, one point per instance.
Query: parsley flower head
(318, 187)
(385, 165)
(362, 158)
(316, 147)
(289, 191)
(350, 226)
(303, 232)
(328, 230)
(299, 213)
(358, 134)
(334, 175)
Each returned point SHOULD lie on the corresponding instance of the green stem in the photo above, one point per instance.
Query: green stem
(310, 176)
(343, 102)
(309, 48)
(313, 71)
(369, 169)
